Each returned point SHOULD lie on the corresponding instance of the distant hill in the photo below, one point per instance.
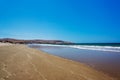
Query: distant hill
(38, 41)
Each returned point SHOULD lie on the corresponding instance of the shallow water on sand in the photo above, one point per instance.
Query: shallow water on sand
(107, 62)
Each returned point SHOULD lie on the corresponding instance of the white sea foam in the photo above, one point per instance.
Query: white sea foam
(87, 47)
(100, 48)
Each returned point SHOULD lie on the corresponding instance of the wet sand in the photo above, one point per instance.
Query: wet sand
(107, 62)
(18, 62)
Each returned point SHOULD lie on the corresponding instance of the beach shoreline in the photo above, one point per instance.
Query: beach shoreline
(19, 62)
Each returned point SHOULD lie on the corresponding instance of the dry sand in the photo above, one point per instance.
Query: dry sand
(18, 62)
(5, 44)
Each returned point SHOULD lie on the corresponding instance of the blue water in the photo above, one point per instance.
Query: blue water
(100, 44)
(105, 61)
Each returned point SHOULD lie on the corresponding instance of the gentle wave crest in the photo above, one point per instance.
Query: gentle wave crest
(87, 47)
(100, 48)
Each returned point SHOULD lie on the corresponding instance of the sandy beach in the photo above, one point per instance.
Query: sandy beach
(19, 62)
(5, 44)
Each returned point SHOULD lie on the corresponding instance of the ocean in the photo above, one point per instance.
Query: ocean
(113, 47)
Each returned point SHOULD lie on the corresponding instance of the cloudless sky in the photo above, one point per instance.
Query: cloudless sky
(70, 20)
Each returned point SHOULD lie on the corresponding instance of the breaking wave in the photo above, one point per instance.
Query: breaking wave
(87, 47)
(100, 48)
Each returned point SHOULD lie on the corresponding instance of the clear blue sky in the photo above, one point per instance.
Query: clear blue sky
(70, 20)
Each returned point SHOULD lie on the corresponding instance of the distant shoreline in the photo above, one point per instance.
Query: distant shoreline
(37, 41)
